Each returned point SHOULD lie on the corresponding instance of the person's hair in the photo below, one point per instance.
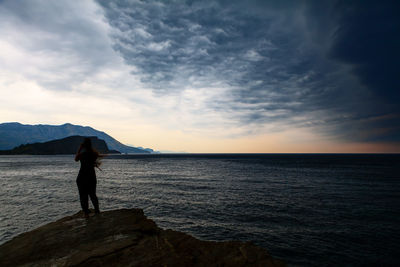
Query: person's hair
(87, 144)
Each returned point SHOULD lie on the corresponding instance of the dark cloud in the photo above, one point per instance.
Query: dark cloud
(262, 55)
(367, 40)
(321, 64)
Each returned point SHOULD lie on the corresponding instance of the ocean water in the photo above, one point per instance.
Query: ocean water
(309, 210)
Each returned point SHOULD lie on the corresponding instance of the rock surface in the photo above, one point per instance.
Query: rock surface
(123, 238)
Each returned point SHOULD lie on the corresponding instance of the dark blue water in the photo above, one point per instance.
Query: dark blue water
(307, 209)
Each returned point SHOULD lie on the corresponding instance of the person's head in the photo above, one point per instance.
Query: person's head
(87, 143)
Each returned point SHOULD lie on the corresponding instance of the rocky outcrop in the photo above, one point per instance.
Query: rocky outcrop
(68, 145)
(123, 238)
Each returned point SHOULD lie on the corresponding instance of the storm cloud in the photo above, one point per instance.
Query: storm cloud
(318, 64)
(326, 66)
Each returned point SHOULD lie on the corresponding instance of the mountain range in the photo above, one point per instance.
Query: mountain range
(14, 134)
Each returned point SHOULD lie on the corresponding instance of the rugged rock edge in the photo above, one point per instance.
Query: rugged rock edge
(124, 237)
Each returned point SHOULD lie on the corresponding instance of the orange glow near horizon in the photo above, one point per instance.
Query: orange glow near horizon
(276, 143)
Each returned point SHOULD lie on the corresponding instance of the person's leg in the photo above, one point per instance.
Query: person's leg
(93, 197)
(83, 196)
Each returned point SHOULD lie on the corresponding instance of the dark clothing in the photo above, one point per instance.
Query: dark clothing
(85, 190)
(86, 181)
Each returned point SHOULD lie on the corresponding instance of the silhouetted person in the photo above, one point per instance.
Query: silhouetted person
(86, 179)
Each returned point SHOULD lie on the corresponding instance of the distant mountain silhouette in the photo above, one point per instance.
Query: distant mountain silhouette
(68, 145)
(14, 134)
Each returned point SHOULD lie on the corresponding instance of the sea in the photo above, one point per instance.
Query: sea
(307, 209)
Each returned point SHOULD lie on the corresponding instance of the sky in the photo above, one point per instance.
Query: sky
(208, 76)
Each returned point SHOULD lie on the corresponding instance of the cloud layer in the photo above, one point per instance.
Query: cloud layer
(216, 68)
(310, 64)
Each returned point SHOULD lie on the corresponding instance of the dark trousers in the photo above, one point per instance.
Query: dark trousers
(88, 189)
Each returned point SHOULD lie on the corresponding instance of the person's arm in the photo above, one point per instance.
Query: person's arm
(78, 153)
